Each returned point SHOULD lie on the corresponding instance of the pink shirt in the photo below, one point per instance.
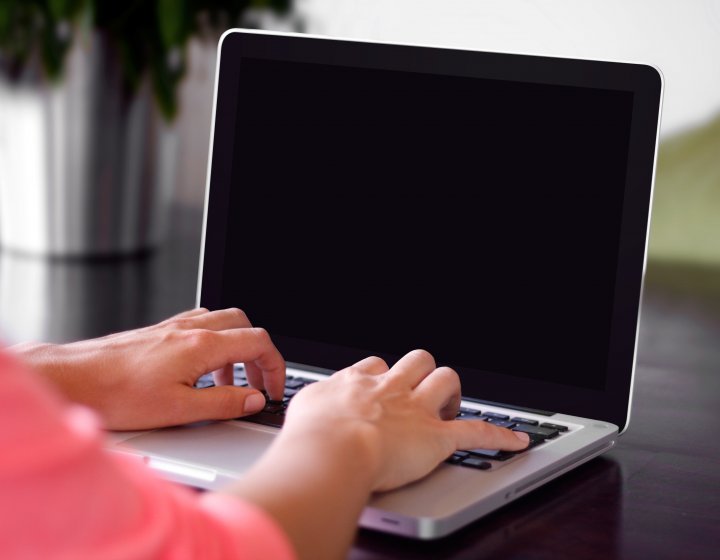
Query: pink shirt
(63, 496)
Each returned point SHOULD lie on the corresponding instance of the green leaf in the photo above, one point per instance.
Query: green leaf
(65, 9)
(6, 9)
(165, 82)
(52, 51)
(131, 63)
(59, 9)
(171, 20)
(277, 5)
(143, 32)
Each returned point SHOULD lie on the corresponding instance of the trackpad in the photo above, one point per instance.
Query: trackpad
(227, 446)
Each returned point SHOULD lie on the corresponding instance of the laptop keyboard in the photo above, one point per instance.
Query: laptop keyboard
(274, 412)
(540, 432)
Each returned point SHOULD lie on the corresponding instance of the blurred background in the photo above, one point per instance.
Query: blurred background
(105, 117)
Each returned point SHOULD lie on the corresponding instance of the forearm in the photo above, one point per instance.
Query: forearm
(45, 360)
(315, 487)
(64, 366)
(64, 496)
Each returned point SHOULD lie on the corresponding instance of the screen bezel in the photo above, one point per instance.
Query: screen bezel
(645, 82)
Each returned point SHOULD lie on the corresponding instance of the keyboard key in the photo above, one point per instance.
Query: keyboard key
(291, 392)
(496, 415)
(469, 411)
(557, 427)
(265, 418)
(501, 423)
(273, 407)
(533, 443)
(294, 383)
(494, 454)
(457, 457)
(521, 420)
(476, 463)
(544, 433)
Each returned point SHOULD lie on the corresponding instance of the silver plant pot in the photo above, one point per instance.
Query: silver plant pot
(86, 167)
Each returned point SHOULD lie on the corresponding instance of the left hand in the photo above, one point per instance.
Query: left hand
(144, 378)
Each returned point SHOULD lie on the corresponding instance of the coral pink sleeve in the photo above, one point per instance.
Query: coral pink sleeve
(63, 496)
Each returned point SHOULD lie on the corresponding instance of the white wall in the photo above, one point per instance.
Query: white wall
(682, 37)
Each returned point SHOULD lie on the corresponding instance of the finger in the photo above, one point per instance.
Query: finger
(224, 375)
(273, 378)
(372, 365)
(440, 391)
(255, 379)
(220, 320)
(412, 368)
(472, 434)
(220, 403)
(252, 346)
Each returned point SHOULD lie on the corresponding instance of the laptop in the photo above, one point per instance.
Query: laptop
(372, 198)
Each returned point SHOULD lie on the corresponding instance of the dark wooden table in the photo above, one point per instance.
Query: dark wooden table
(656, 495)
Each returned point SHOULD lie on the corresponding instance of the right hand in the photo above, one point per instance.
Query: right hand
(367, 428)
(400, 419)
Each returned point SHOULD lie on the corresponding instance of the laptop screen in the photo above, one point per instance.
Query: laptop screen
(372, 211)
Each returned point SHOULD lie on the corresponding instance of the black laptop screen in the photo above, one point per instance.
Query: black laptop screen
(377, 211)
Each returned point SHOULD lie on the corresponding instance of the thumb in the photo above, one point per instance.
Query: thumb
(222, 403)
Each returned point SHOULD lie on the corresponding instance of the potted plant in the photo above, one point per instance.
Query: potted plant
(88, 96)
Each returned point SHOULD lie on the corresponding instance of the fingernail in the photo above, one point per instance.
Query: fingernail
(522, 436)
(254, 403)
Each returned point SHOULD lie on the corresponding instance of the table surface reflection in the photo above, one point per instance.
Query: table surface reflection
(656, 495)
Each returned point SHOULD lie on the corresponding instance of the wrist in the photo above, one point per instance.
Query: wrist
(49, 362)
(346, 448)
(318, 465)
(38, 356)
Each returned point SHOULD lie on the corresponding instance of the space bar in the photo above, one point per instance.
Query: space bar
(265, 418)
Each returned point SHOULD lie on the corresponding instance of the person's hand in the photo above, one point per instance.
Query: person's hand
(144, 378)
(367, 428)
(403, 417)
